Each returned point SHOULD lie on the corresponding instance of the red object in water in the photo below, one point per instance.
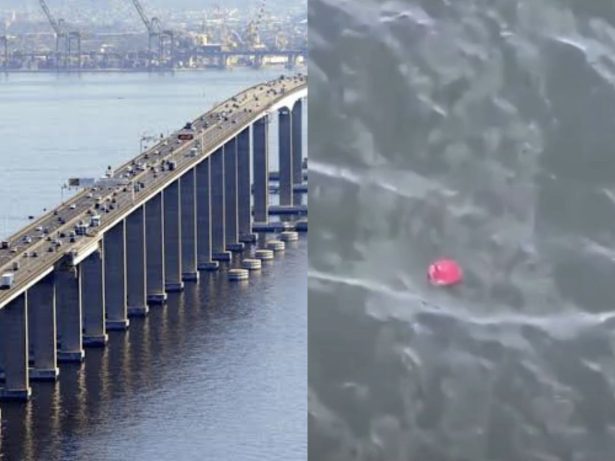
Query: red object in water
(445, 272)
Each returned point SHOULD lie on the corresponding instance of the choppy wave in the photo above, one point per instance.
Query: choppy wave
(481, 131)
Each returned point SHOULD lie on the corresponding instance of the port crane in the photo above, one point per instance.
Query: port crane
(252, 37)
(155, 33)
(64, 39)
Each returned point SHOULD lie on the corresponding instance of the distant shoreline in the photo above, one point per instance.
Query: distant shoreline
(139, 71)
(147, 71)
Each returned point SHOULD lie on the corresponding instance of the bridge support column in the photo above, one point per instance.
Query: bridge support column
(155, 250)
(230, 196)
(297, 152)
(172, 238)
(218, 240)
(203, 217)
(285, 157)
(135, 263)
(93, 300)
(14, 349)
(243, 187)
(115, 277)
(188, 226)
(260, 158)
(42, 329)
(70, 317)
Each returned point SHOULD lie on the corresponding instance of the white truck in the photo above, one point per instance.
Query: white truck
(81, 228)
(7, 280)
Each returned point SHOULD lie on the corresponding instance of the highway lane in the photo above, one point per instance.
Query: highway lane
(238, 110)
(51, 220)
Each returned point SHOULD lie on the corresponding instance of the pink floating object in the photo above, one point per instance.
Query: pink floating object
(445, 272)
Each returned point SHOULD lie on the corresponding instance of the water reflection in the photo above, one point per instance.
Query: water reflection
(212, 370)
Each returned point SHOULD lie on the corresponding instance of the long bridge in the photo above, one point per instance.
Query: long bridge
(118, 246)
(74, 60)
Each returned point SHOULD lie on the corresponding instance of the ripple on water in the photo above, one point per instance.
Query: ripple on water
(482, 133)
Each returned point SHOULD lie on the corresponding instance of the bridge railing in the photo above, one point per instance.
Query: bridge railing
(214, 142)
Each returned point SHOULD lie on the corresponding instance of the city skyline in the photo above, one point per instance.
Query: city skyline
(136, 35)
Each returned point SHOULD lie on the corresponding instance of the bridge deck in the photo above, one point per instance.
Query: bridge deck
(253, 103)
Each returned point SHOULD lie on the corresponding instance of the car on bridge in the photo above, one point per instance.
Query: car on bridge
(7, 280)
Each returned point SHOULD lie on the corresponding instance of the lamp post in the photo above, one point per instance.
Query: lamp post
(148, 138)
(64, 186)
(143, 138)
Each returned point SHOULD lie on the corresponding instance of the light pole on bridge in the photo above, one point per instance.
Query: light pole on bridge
(148, 138)
(62, 187)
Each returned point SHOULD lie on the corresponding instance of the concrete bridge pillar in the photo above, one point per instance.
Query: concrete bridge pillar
(296, 148)
(218, 238)
(14, 349)
(230, 196)
(136, 295)
(70, 317)
(115, 277)
(154, 237)
(244, 196)
(172, 238)
(93, 300)
(42, 329)
(260, 158)
(188, 226)
(203, 217)
(285, 157)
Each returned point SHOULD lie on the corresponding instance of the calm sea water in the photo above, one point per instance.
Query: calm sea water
(220, 372)
(482, 131)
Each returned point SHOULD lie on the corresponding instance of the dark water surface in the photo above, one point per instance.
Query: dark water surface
(217, 374)
(482, 131)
